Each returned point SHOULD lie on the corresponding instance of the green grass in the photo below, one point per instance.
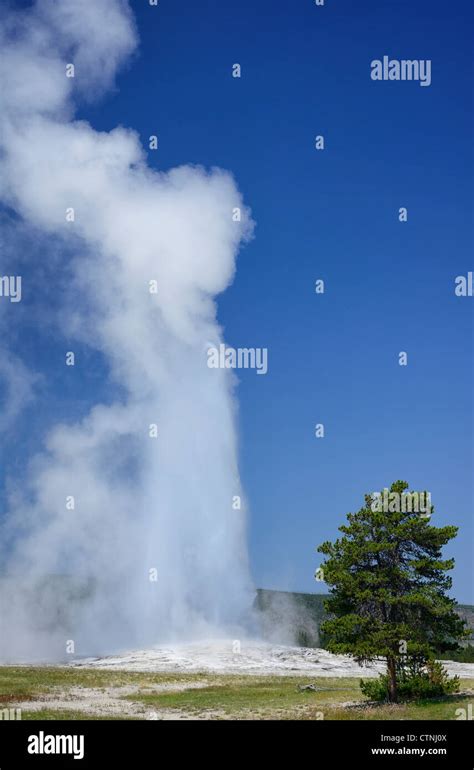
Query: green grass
(279, 697)
(219, 697)
(63, 714)
(256, 694)
(442, 710)
(26, 682)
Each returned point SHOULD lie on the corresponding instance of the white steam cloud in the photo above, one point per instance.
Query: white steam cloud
(140, 503)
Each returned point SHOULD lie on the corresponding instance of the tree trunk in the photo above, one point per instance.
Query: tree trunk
(392, 680)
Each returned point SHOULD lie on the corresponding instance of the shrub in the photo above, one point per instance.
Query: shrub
(432, 681)
(375, 689)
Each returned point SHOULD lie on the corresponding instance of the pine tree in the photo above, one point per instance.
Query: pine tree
(388, 587)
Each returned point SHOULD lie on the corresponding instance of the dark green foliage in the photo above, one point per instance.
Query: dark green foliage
(432, 681)
(463, 655)
(388, 587)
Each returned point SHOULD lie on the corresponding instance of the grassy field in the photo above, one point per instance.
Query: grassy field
(74, 693)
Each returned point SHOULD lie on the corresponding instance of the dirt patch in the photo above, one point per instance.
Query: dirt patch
(17, 696)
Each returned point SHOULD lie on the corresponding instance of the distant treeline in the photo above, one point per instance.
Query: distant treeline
(295, 618)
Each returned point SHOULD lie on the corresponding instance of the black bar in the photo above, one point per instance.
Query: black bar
(311, 743)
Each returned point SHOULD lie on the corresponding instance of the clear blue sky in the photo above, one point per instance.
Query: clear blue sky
(333, 359)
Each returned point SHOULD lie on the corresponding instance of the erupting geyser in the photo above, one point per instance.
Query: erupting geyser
(150, 526)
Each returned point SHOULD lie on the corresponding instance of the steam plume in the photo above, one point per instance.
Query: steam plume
(140, 503)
